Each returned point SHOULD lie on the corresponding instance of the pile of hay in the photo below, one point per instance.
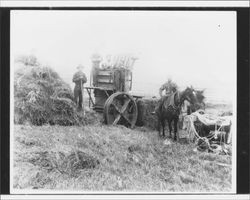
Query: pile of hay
(42, 97)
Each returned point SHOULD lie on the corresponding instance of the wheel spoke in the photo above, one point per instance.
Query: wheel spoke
(117, 109)
(127, 119)
(124, 107)
(117, 119)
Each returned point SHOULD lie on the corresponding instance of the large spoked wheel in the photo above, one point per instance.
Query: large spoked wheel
(120, 108)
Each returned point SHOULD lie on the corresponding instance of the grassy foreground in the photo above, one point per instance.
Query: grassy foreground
(112, 158)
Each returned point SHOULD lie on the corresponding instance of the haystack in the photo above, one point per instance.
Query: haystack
(42, 97)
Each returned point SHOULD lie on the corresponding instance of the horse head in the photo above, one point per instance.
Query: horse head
(195, 98)
(200, 95)
(190, 95)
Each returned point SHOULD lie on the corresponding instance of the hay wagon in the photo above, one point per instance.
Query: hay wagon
(111, 87)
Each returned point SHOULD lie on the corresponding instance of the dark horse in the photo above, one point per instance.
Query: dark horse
(169, 109)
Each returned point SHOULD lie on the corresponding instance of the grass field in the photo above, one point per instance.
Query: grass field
(113, 158)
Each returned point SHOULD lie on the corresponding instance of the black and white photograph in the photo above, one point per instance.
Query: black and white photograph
(123, 101)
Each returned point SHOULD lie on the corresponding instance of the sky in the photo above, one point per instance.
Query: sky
(195, 48)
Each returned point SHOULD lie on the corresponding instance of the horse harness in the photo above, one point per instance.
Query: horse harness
(171, 103)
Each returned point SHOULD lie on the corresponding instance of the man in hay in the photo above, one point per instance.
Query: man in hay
(79, 78)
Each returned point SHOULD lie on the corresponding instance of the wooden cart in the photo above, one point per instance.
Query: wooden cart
(111, 96)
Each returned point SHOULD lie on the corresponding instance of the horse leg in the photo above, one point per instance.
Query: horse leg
(176, 134)
(170, 127)
(159, 126)
(163, 127)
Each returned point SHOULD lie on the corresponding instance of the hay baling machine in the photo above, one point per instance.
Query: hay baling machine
(110, 87)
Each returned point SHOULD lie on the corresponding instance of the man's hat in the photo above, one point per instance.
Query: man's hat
(80, 66)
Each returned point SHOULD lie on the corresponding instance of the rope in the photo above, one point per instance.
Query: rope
(191, 129)
(202, 142)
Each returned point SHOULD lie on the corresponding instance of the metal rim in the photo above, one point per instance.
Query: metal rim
(121, 108)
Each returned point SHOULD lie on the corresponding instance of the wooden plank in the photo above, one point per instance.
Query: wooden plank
(90, 97)
(106, 93)
(105, 73)
(136, 96)
(98, 88)
(105, 80)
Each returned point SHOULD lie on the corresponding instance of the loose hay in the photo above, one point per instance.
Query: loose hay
(44, 159)
(139, 159)
(70, 164)
(79, 161)
(42, 97)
